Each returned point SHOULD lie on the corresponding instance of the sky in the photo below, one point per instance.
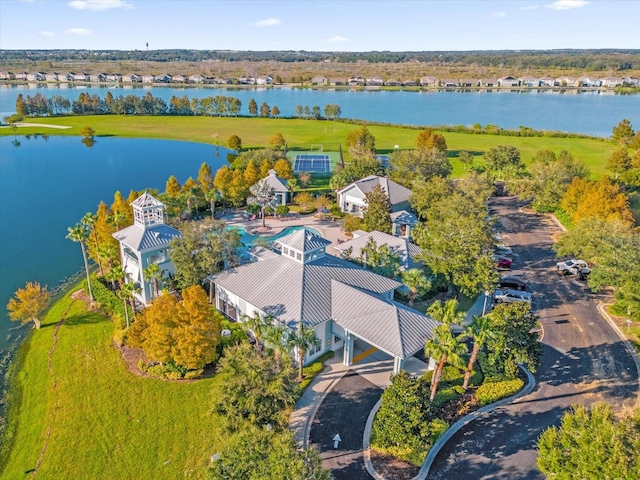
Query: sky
(316, 25)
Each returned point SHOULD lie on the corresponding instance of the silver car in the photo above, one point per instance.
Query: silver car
(510, 296)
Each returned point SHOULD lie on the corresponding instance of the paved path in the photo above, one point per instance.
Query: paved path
(583, 361)
(344, 411)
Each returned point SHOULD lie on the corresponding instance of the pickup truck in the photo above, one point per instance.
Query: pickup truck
(573, 267)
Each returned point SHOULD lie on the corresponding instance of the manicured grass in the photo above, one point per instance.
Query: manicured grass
(103, 422)
(256, 132)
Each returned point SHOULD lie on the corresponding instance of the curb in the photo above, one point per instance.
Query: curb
(632, 351)
(452, 430)
(557, 222)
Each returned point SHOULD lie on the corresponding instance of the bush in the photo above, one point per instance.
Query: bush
(191, 374)
(446, 394)
(311, 371)
(351, 223)
(108, 301)
(119, 337)
(282, 209)
(490, 392)
(491, 372)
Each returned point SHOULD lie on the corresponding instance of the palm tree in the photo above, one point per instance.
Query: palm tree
(416, 281)
(445, 347)
(303, 339)
(480, 331)
(276, 339)
(90, 220)
(127, 294)
(116, 219)
(79, 234)
(109, 252)
(263, 196)
(115, 275)
(153, 273)
(446, 312)
(257, 325)
(212, 196)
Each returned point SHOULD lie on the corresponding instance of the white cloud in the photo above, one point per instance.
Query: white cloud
(567, 4)
(499, 14)
(45, 33)
(98, 5)
(267, 22)
(77, 31)
(529, 7)
(336, 39)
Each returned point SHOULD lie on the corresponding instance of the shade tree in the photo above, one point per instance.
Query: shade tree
(405, 167)
(29, 303)
(428, 139)
(377, 211)
(361, 143)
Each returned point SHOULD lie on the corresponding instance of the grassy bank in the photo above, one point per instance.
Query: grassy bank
(256, 132)
(76, 412)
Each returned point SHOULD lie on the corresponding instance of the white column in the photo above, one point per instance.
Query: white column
(347, 357)
(398, 364)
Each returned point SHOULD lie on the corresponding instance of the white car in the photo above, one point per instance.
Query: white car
(573, 267)
(510, 296)
(502, 249)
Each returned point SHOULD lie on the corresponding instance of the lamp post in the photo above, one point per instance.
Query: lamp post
(484, 306)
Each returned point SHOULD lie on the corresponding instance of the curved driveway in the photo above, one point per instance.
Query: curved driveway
(583, 361)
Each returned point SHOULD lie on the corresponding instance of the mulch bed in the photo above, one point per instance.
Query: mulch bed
(391, 467)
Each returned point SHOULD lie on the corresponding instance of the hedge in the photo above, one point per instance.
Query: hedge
(107, 300)
(311, 371)
(490, 392)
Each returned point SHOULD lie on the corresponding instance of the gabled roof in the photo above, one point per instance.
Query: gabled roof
(396, 192)
(403, 218)
(278, 184)
(141, 239)
(391, 326)
(397, 245)
(294, 291)
(146, 200)
(303, 241)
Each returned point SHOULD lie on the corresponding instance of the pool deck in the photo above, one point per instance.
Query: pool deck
(330, 229)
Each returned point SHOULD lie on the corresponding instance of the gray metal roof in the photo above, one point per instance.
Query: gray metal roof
(396, 192)
(141, 239)
(397, 245)
(278, 184)
(388, 325)
(403, 218)
(292, 291)
(303, 241)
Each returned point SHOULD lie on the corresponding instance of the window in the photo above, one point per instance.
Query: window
(315, 349)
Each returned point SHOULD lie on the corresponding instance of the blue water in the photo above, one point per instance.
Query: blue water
(249, 239)
(47, 185)
(592, 112)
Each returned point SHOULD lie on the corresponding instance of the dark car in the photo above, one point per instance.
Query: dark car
(513, 282)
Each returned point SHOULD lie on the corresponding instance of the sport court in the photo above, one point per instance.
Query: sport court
(314, 160)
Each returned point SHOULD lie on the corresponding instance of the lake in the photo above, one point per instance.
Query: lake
(48, 184)
(589, 112)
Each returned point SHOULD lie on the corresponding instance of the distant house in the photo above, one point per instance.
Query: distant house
(351, 199)
(410, 83)
(7, 76)
(468, 82)
(197, 78)
(340, 301)
(448, 83)
(392, 82)
(611, 82)
(338, 82)
(81, 77)
(374, 82)
(319, 80)
(66, 77)
(488, 82)
(356, 81)
(406, 250)
(529, 81)
(36, 77)
(630, 81)
(51, 77)
(264, 80)
(131, 78)
(114, 77)
(508, 81)
(567, 81)
(178, 79)
(163, 78)
(589, 82)
(428, 81)
(246, 80)
(148, 78)
(144, 243)
(280, 187)
(98, 77)
(548, 82)
(21, 75)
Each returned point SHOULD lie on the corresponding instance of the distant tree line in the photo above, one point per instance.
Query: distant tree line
(594, 60)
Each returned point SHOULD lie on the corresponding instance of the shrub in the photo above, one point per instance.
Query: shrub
(351, 223)
(490, 392)
(191, 374)
(108, 302)
(311, 371)
(282, 209)
(446, 394)
(491, 372)
(119, 337)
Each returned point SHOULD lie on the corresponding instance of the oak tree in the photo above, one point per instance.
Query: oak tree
(29, 303)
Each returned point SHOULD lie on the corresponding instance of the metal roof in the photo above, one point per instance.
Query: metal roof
(403, 217)
(303, 241)
(388, 325)
(278, 184)
(141, 239)
(294, 291)
(396, 192)
(397, 245)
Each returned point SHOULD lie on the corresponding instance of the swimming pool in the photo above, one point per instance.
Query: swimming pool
(249, 239)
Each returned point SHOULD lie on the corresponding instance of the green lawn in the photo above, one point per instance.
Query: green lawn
(102, 421)
(256, 132)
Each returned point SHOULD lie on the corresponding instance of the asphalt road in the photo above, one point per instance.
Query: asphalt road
(344, 411)
(583, 361)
